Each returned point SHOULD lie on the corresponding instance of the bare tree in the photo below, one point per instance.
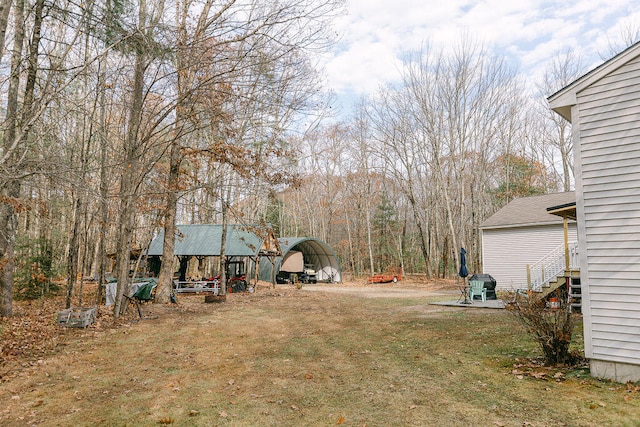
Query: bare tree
(10, 187)
(136, 142)
(437, 133)
(364, 164)
(15, 135)
(629, 35)
(251, 68)
(554, 133)
(43, 74)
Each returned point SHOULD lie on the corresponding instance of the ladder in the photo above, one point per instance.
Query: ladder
(575, 295)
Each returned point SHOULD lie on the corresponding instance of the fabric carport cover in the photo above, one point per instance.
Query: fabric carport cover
(316, 253)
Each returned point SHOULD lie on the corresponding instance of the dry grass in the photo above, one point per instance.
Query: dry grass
(294, 357)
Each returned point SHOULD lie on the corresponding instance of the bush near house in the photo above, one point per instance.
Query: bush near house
(551, 327)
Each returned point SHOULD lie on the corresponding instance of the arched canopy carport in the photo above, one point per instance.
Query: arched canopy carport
(315, 253)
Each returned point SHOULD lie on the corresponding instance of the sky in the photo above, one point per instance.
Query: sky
(376, 34)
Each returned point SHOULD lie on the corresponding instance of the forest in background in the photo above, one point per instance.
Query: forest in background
(123, 117)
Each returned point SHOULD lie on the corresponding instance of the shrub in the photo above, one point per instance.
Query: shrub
(551, 328)
(34, 270)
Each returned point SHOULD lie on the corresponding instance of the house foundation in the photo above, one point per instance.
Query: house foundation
(617, 371)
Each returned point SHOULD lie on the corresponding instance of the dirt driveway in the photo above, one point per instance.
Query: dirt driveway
(403, 290)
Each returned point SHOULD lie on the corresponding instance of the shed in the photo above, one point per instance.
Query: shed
(315, 253)
(522, 233)
(205, 240)
(603, 107)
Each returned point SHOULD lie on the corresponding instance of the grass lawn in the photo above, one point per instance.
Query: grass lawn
(290, 357)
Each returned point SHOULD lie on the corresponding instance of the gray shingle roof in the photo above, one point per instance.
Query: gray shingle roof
(529, 211)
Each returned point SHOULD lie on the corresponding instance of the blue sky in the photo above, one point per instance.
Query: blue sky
(376, 34)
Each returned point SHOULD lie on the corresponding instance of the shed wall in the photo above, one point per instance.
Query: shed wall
(608, 158)
(507, 251)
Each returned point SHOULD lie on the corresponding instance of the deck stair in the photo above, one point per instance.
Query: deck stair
(575, 294)
(549, 274)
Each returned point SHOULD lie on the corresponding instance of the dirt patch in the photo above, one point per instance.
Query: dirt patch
(374, 291)
(404, 289)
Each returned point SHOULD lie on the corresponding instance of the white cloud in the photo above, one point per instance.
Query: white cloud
(376, 34)
(363, 67)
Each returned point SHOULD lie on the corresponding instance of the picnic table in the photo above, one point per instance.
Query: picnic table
(196, 286)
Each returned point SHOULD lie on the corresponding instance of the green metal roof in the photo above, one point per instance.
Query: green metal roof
(205, 240)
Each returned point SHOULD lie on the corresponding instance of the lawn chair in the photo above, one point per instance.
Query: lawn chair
(143, 294)
(476, 287)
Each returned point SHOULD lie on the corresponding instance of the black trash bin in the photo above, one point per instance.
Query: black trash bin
(489, 284)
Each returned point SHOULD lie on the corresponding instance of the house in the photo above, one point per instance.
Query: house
(521, 236)
(603, 107)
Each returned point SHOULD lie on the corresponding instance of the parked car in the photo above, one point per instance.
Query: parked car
(308, 276)
(283, 277)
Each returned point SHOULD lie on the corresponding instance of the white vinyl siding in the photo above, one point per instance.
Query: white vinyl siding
(507, 251)
(609, 138)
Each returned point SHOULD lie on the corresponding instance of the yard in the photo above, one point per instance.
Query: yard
(375, 355)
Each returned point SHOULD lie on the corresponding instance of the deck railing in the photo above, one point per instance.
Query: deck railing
(552, 266)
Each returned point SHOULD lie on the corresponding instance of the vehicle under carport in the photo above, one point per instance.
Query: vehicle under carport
(245, 246)
(299, 256)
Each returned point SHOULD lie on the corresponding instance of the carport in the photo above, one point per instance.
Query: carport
(300, 251)
(200, 241)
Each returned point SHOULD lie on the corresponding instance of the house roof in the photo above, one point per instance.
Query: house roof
(562, 101)
(528, 211)
(565, 210)
(206, 239)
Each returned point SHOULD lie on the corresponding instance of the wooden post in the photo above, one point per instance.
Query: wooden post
(567, 261)
(566, 246)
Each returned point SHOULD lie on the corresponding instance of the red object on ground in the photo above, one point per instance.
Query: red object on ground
(391, 275)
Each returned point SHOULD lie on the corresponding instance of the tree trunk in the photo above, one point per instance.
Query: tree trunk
(8, 225)
(5, 8)
(223, 244)
(128, 190)
(369, 243)
(11, 191)
(163, 291)
(74, 249)
(424, 246)
(104, 191)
